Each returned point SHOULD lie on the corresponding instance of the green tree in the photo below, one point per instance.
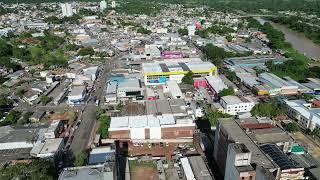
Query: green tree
(229, 38)
(268, 109)
(188, 78)
(86, 51)
(12, 118)
(4, 101)
(5, 48)
(81, 159)
(308, 97)
(36, 169)
(143, 30)
(183, 31)
(291, 127)
(45, 99)
(212, 116)
(227, 92)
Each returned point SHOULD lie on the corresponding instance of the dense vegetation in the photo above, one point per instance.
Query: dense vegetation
(104, 123)
(188, 78)
(213, 116)
(36, 169)
(215, 29)
(80, 159)
(44, 50)
(218, 54)
(227, 92)
(298, 67)
(268, 109)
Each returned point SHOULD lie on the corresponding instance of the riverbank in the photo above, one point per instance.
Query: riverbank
(299, 42)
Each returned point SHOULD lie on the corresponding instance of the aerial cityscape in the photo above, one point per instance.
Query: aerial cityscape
(159, 90)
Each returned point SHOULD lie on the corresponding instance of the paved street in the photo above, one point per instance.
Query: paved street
(82, 135)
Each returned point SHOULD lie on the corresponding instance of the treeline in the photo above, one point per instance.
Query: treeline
(44, 50)
(299, 24)
(71, 20)
(139, 7)
(298, 67)
(217, 54)
(215, 29)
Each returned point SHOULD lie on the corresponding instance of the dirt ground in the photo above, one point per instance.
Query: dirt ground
(156, 150)
(304, 141)
(144, 173)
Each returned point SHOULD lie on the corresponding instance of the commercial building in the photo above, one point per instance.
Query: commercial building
(150, 128)
(215, 84)
(252, 61)
(173, 88)
(288, 168)
(47, 148)
(301, 111)
(195, 168)
(161, 71)
(92, 172)
(91, 72)
(77, 95)
(272, 135)
(238, 163)
(274, 85)
(176, 107)
(100, 155)
(67, 10)
(130, 88)
(17, 138)
(235, 105)
(229, 132)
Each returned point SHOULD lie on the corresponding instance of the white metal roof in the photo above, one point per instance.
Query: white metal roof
(118, 122)
(153, 121)
(187, 168)
(138, 121)
(174, 88)
(166, 119)
(15, 145)
(77, 90)
(216, 83)
(129, 84)
(231, 100)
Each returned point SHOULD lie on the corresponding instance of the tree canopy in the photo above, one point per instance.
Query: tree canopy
(212, 116)
(36, 169)
(188, 78)
(183, 31)
(268, 109)
(227, 92)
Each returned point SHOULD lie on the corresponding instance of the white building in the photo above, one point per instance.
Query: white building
(173, 88)
(152, 51)
(238, 155)
(77, 94)
(92, 72)
(234, 105)
(103, 5)
(47, 148)
(307, 117)
(191, 30)
(67, 10)
(129, 88)
(113, 4)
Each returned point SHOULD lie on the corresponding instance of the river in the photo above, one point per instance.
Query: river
(298, 41)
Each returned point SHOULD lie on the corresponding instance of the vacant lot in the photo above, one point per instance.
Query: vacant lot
(143, 170)
(312, 148)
